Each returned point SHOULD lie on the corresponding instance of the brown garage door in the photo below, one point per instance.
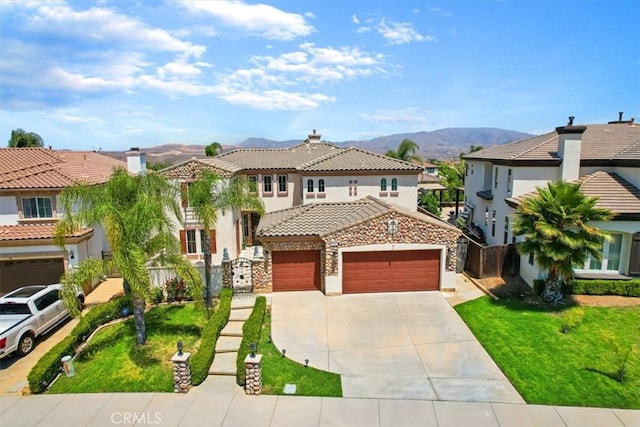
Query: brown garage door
(14, 274)
(296, 270)
(390, 271)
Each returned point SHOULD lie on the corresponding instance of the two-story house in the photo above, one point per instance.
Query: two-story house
(327, 185)
(604, 157)
(31, 180)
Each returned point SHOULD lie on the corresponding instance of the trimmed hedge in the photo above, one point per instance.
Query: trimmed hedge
(627, 288)
(250, 334)
(202, 359)
(48, 367)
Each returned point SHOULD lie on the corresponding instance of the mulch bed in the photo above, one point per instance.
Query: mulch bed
(515, 287)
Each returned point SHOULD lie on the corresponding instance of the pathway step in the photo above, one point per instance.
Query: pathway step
(240, 314)
(224, 364)
(243, 301)
(228, 344)
(232, 329)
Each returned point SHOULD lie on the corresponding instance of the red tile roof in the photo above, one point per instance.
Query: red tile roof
(35, 232)
(33, 168)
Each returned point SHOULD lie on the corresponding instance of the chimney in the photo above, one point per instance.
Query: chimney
(569, 150)
(314, 137)
(136, 161)
(630, 121)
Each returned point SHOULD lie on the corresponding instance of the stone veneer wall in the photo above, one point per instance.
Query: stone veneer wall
(262, 282)
(410, 230)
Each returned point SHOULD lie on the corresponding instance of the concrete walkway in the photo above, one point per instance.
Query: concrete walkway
(212, 407)
(407, 345)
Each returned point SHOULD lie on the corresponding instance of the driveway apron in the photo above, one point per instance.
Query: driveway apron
(409, 345)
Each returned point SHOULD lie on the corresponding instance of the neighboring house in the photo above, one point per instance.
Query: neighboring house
(604, 157)
(31, 180)
(309, 173)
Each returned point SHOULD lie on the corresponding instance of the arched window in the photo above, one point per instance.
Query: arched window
(383, 184)
(394, 184)
(321, 186)
(309, 186)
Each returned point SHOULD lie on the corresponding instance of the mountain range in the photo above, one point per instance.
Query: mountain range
(441, 144)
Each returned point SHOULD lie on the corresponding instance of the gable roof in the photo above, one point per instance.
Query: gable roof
(610, 144)
(278, 158)
(321, 219)
(189, 169)
(613, 191)
(33, 168)
(355, 159)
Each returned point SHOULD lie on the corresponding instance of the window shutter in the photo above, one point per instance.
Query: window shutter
(183, 241)
(184, 194)
(212, 237)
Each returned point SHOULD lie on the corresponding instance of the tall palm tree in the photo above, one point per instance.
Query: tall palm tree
(557, 232)
(407, 151)
(134, 213)
(212, 194)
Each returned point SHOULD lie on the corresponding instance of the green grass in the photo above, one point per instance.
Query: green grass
(278, 371)
(112, 362)
(553, 368)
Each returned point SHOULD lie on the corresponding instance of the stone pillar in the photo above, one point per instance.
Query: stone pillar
(253, 370)
(181, 372)
(227, 277)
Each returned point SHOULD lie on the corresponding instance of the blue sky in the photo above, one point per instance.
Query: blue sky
(117, 74)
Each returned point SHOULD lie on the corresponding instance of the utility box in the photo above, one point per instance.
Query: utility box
(67, 366)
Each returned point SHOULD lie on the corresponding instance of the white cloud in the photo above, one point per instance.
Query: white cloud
(404, 115)
(401, 33)
(355, 19)
(261, 19)
(73, 117)
(277, 100)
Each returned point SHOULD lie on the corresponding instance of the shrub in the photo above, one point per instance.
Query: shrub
(629, 288)
(250, 334)
(157, 296)
(202, 359)
(622, 355)
(176, 289)
(572, 318)
(48, 367)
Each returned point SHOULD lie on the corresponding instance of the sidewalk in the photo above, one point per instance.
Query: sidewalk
(230, 409)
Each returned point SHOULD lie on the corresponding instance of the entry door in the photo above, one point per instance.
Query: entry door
(634, 262)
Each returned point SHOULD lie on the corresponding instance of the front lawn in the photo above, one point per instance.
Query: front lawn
(278, 371)
(112, 362)
(553, 368)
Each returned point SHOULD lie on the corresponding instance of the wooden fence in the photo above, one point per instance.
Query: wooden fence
(492, 261)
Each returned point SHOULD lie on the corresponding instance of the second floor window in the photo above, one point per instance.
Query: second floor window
(192, 246)
(282, 183)
(37, 207)
(394, 184)
(309, 186)
(509, 181)
(266, 184)
(383, 184)
(253, 182)
(495, 178)
(321, 186)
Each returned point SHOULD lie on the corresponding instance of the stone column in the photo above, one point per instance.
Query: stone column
(253, 370)
(227, 277)
(181, 372)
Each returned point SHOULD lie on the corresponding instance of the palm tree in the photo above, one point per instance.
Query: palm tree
(556, 227)
(134, 212)
(213, 149)
(407, 151)
(211, 194)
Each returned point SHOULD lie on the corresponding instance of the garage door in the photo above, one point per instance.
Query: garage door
(14, 274)
(390, 271)
(296, 270)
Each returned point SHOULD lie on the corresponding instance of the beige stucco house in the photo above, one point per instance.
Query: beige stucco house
(605, 158)
(320, 194)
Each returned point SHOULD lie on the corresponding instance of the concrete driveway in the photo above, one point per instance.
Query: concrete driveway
(409, 345)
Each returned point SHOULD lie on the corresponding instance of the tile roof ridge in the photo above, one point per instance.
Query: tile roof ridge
(323, 157)
(384, 156)
(628, 148)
